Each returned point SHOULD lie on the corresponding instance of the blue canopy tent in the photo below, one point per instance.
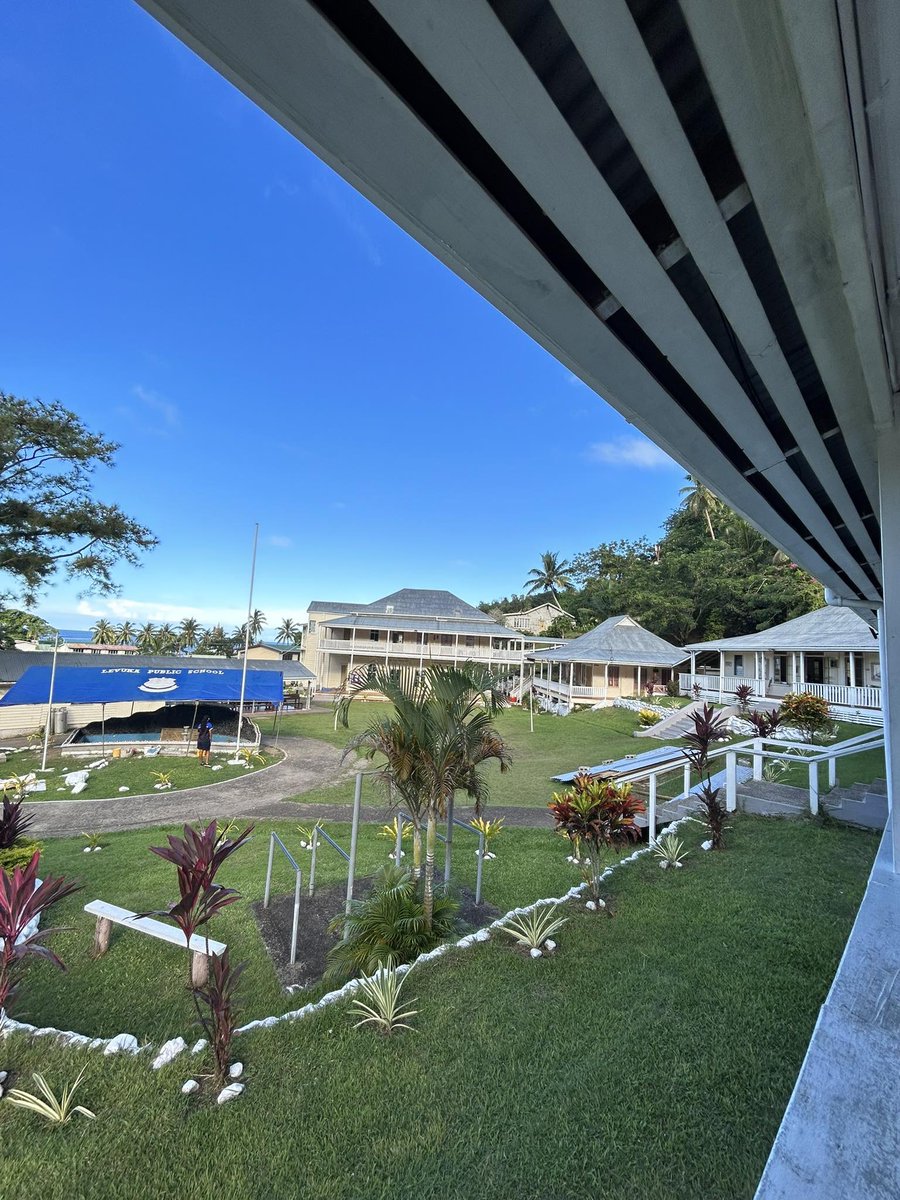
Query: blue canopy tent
(104, 685)
(169, 685)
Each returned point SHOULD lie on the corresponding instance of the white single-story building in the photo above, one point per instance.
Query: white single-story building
(832, 652)
(619, 658)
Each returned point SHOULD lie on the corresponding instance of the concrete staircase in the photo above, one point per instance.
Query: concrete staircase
(675, 726)
(863, 804)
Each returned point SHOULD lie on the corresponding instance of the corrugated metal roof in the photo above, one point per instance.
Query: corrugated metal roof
(13, 663)
(333, 606)
(616, 640)
(414, 624)
(828, 628)
(425, 602)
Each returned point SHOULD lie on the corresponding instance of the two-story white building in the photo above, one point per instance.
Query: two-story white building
(411, 627)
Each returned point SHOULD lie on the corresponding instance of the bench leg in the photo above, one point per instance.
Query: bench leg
(101, 937)
(199, 969)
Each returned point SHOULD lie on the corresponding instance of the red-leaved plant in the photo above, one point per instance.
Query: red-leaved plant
(197, 858)
(21, 900)
(596, 815)
(217, 1005)
(744, 694)
(14, 823)
(708, 728)
(765, 723)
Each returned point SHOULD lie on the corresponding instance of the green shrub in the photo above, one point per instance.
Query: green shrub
(673, 688)
(18, 856)
(648, 717)
(388, 927)
(808, 712)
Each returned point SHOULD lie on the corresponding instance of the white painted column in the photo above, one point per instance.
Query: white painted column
(693, 668)
(794, 670)
(852, 658)
(889, 617)
(456, 651)
(721, 674)
(802, 669)
(571, 681)
(352, 650)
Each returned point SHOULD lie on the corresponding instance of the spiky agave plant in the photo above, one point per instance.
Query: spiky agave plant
(378, 1002)
(388, 927)
(56, 1110)
(533, 930)
(670, 851)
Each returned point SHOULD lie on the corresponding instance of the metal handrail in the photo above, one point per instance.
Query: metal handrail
(402, 816)
(298, 882)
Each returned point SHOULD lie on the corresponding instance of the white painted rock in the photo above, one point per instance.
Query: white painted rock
(483, 935)
(679, 865)
(60, 789)
(591, 906)
(124, 789)
(122, 1043)
(550, 945)
(706, 845)
(3, 1076)
(236, 1070)
(217, 768)
(87, 850)
(229, 1093)
(601, 904)
(191, 1085)
(198, 1046)
(97, 849)
(75, 777)
(168, 1051)
(663, 865)
(535, 953)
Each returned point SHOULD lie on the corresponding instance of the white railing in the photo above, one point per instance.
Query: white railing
(758, 750)
(835, 694)
(410, 649)
(563, 690)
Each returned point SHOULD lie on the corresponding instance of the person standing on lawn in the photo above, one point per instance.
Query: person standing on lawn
(204, 741)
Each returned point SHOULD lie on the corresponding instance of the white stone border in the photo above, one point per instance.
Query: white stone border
(128, 1044)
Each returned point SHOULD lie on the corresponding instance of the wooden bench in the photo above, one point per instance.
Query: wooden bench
(111, 914)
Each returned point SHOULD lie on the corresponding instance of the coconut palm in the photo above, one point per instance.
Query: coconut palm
(104, 633)
(549, 576)
(165, 640)
(191, 633)
(440, 732)
(125, 633)
(700, 503)
(288, 632)
(257, 624)
(145, 637)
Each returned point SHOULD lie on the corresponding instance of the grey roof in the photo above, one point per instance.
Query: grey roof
(616, 640)
(484, 627)
(333, 606)
(424, 602)
(14, 663)
(825, 629)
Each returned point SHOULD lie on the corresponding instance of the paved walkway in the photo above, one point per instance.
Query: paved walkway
(308, 764)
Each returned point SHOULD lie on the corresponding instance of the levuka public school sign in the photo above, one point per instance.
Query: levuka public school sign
(106, 685)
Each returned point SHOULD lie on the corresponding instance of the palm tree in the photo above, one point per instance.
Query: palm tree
(125, 633)
(104, 633)
(288, 632)
(165, 640)
(700, 503)
(440, 732)
(257, 622)
(145, 637)
(549, 576)
(191, 632)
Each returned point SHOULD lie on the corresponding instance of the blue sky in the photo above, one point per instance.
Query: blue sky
(269, 347)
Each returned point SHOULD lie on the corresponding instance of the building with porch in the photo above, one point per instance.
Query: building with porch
(832, 652)
(410, 627)
(619, 658)
(537, 619)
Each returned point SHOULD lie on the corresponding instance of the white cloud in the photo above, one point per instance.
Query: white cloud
(278, 539)
(165, 409)
(630, 452)
(85, 609)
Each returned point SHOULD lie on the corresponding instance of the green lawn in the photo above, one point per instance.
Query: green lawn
(651, 1058)
(137, 774)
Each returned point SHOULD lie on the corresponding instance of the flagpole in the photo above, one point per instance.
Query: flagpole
(246, 643)
(50, 703)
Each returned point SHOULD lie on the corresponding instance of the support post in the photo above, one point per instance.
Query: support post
(832, 772)
(298, 883)
(448, 844)
(398, 844)
(651, 811)
(813, 788)
(757, 759)
(889, 616)
(354, 835)
(269, 870)
(312, 863)
(480, 868)
(199, 968)
(101, 937)
(687, 779)
(50, 704)
(731, 781)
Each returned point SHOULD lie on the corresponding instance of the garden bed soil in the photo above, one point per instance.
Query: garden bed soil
(313, 939)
